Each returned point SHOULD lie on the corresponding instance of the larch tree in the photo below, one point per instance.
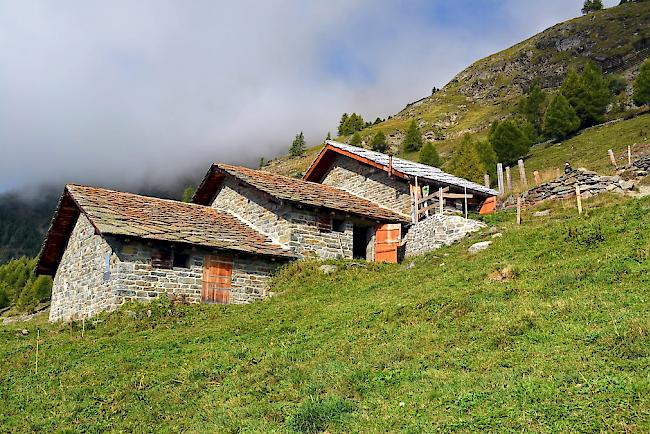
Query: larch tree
(642, 85)
(466, 162)
(429, 155)
(560, 119)
(298, 146)
(413, 140)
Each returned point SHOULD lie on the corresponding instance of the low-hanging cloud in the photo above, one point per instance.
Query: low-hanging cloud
(120, 93)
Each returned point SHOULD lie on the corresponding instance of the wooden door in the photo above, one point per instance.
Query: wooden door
(217, 279)
(387, 240)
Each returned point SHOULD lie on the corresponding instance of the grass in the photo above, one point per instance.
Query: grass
(562, 344)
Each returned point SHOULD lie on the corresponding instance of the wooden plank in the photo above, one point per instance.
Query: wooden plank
(429, 208)
(457, 196)
(217, 279)
(441, 201)
(387, 241)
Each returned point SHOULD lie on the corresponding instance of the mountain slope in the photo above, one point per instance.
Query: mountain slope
(617, 39)
(546, 331)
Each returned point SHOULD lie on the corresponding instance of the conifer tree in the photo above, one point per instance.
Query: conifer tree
(188, 194)
(298, 146)
(533, 107)
(560, 119)
(597, 95)
(509, 142)
(356, 139)
(465, 162)
(642, 85)
(429, 155)
(488, 157)
(342, 124)
(413, 140)
(28, 299)
(378, 143)
(592, 6)
(328, 137)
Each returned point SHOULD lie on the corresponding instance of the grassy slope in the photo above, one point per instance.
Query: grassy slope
(564, 346)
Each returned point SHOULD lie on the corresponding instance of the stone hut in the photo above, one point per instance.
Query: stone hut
(307, 218)
(105, 247)
(398, 184)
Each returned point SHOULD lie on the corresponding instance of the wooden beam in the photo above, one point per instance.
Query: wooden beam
(457, 196)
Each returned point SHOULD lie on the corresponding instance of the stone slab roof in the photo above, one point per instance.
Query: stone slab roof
(131, 215)
(295, 190)
(400, 166)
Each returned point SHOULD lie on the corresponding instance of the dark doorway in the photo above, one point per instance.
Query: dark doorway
(359, 242)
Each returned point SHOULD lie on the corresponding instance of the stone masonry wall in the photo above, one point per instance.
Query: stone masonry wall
(437, 231)
(285, 223)
(370, 183)
(79, 289)
(82, 289)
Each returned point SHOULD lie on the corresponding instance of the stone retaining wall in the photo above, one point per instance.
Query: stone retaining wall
(590, 184)
(437, 231)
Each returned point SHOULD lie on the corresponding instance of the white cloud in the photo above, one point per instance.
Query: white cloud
(123, 92)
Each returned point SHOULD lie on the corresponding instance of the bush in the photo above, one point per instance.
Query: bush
(316, 414)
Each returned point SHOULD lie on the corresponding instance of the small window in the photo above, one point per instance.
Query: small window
(181, 260)
(161, 258)
(324, 222)
(338, 225)
(107, 267)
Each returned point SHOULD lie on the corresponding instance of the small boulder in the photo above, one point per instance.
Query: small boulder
(542, 213)
(497, 235)
(328, 269)
(627, 185)
(493, 230)
(475, 248)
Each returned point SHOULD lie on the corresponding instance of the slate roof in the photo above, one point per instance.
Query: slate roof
(406, 167)
(297, 191)
(131, 215)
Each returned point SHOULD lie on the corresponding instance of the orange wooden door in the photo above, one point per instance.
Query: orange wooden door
(217, 279)
(387, 240)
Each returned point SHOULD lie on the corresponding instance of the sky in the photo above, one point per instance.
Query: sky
(123, 93)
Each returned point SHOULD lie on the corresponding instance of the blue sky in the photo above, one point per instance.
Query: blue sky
(120, 93)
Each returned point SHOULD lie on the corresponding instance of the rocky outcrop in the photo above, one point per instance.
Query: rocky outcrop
(590, 184)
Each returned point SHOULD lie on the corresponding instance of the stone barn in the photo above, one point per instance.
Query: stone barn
(307, 218)
(105, 247)
(398, 184)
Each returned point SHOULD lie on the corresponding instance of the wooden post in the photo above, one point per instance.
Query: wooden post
(522, 173)
(38, 337)
(500, 177)
(465, 197)
(557, 172)
(518, 210)
(486, 180)
(440, 201)
(579, 199)
(508, 179)
(629, 155)
(417, 201)
(538, 180)
(611, 157)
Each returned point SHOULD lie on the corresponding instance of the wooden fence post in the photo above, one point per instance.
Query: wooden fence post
(508, 179)
(440, 200)
(465, 198)
(579, 199)
(500, 177)
(522, 173)
(486, 180)
(611, 157)
(538, 180)
(629, 155)
(518, 210)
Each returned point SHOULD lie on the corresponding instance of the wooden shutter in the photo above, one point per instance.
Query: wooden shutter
(217, 279)
(387, 240)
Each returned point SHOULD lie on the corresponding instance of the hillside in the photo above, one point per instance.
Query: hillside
(616, 39)
(545, 331)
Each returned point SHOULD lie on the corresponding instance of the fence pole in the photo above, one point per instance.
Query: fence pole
(578, 199)
(522, 173)
(557, 172)
(538, 180)
(486, 180)
(500, 177)
(465, 197)
(442, 205)
(629, 155)
(508, 179)
(518, 210)
(611, 157)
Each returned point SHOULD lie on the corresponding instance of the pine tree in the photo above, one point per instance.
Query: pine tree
(597, 95)
(560, 119)
(261, 163)
(378, 143)
(488, 158)
(465, 162)
(642, 85)
(298, 146)
(592, 6)
(509, 142)
(188, 194)
(342, 124)
(413, 140)
(328, 137)
(429, 155)
(532, 107)
(356, 139)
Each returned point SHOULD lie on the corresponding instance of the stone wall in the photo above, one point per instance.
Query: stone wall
(79, 289)
(565, 186)
(82, 287)
(437, 231)
(299, 229)
(370, 183)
